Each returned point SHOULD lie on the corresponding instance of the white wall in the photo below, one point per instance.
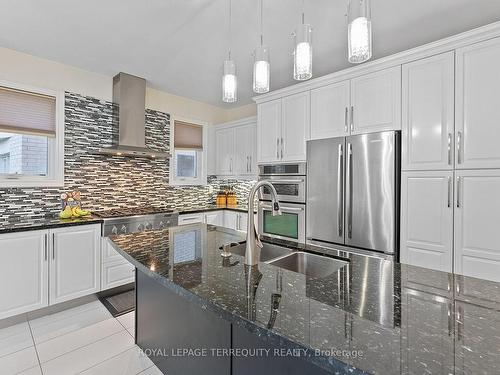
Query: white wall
(18, 67)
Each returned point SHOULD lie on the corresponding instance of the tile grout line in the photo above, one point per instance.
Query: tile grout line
(34, 346)
(107, 359)
(73, 330)
(84, 346)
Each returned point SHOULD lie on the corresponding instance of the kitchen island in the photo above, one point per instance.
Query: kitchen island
(197, 312)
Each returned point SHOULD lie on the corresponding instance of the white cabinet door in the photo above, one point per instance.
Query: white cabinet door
(24, 272)
(75, 262)
(330, 111)
(190, 219)
(428, 113)
(477, 105)
(231, 219)
(117, 273)
(376, 101)
(225, 150)
(295, 126)
(242, 222)
(477, 218)
(268, 131)
(244, 141)
(215, 218)
(427, 219)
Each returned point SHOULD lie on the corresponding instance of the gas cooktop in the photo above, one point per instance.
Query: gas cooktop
(137, 219)
(124, 212)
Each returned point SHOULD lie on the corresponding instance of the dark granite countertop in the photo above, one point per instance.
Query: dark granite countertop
(372, 316)
(191, 209)
(26, 224)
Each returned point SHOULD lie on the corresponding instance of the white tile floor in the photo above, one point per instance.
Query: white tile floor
(81, 340)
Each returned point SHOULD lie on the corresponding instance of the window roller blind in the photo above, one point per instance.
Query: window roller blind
(26, 112)
(188, 136)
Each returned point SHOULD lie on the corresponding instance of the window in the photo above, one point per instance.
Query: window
(188, 160)
(31, 137)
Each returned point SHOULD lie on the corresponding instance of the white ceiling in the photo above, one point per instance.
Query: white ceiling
(179, 45)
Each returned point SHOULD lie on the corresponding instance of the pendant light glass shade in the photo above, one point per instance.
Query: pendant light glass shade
(302, 55)
(229, 82)
(359, 31)
(261, 70)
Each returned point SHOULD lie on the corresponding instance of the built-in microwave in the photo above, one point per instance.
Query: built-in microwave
(289, 180)
(290, 225)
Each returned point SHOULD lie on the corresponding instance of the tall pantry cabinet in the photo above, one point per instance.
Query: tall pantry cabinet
(450, 195)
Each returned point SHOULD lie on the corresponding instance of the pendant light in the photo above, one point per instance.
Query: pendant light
(359, 31)
(229, 80)
(302, 54)
(261, 67)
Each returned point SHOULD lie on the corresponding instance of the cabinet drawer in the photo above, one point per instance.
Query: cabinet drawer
(190, 219)
(117, 273)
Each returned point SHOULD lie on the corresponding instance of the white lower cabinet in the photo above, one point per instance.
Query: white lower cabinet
(46, 267)
(427, 219)
(75, 262)
(24, 272)
(236, 220)
(115, 270)
(477, 215)
(214, 218)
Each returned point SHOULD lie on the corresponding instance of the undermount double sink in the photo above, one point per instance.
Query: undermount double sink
(297, 261)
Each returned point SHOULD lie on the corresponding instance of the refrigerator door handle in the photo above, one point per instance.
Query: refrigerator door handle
(349, 190)
(340, 189)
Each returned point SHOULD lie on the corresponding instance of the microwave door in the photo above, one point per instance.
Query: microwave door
(325, 190)
(371, 191)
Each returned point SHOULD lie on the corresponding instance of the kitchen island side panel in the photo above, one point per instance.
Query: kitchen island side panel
(166, 323)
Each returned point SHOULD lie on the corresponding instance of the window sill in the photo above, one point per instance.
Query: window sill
(26, 183)
(189, 183)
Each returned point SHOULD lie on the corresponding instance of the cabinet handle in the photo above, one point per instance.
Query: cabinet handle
(458, 192)
(46, 247)
(277, 148)
(282, 147)
(449, 148)
(352, 118)
(449, 191)
(53, 246)
(248, 163)
(250, 168)
(340, 188)
(346, 115)
(459, 147)
(349, 190)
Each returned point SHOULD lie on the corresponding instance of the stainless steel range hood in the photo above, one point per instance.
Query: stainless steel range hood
(129, 96)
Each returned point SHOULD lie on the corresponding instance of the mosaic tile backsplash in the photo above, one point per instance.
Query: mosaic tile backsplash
(109, 181)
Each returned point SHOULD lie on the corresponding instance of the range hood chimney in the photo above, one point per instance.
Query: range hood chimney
(129, 96)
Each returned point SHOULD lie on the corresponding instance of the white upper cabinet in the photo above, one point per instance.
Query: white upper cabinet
(224, 139)
(477, 214)
(295, 127)
(427, 219)
(283, 128)
(428, 113)
(477, 130)
(376, 101)
(234, 148)
(23, 272)
(75, 262)
(330, 111)
(269, 131)
(244, 150)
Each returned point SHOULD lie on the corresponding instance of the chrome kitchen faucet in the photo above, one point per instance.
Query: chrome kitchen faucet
(253, 246)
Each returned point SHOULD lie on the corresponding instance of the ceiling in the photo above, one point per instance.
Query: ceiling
(179, 45)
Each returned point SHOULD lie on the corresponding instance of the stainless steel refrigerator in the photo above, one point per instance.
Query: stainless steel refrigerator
(353, 193)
